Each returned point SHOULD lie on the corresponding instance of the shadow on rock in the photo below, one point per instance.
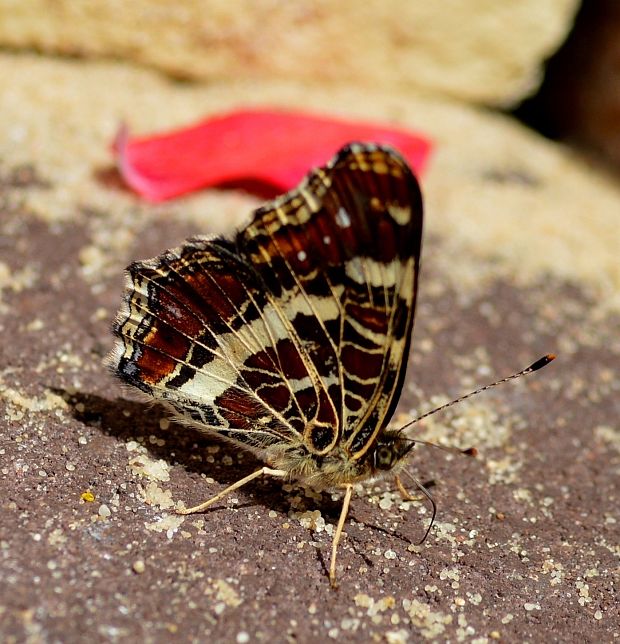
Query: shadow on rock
(177, 444)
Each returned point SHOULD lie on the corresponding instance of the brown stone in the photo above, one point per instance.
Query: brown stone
(520, 259)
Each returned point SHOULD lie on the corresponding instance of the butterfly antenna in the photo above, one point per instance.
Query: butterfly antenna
(535, 366)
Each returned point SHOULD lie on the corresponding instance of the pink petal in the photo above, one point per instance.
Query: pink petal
(270, 147)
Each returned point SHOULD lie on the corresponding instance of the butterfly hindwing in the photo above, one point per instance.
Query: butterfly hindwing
(192, 318)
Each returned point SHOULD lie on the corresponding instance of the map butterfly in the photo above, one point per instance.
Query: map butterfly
(290, 339)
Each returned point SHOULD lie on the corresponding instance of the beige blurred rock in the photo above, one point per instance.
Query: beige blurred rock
(505, 202)
(475, 50)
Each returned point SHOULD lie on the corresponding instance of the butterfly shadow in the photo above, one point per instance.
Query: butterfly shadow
(150, 425)
(176, 444)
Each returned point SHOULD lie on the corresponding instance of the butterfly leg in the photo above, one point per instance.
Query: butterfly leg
(343, 516)
(231, 488)
(407, 496)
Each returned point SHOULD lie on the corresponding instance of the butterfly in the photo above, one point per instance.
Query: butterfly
(291, 338)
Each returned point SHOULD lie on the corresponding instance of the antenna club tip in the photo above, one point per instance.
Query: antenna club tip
(542, 362)
(470, 451)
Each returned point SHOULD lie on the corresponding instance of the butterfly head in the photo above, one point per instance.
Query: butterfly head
(390, 451)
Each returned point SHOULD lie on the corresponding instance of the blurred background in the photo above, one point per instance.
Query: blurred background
(579, 97)
(554, 63)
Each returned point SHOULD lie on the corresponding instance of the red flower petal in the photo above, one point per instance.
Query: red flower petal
(262, 146)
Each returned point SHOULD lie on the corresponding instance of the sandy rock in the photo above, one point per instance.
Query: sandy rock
(500, 190)
(519, 259)
(479, 51)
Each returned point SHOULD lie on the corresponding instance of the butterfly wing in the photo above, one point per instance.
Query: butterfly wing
(196, 332)
(297, 329)
(340, 258)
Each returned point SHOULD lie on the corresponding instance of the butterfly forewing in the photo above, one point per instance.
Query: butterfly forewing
(297, 330)
(340, 258)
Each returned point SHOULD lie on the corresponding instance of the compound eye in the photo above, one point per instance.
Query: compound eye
(384, 457)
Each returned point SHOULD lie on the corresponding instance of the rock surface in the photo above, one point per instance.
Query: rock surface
(474, 50)
(519, 260)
